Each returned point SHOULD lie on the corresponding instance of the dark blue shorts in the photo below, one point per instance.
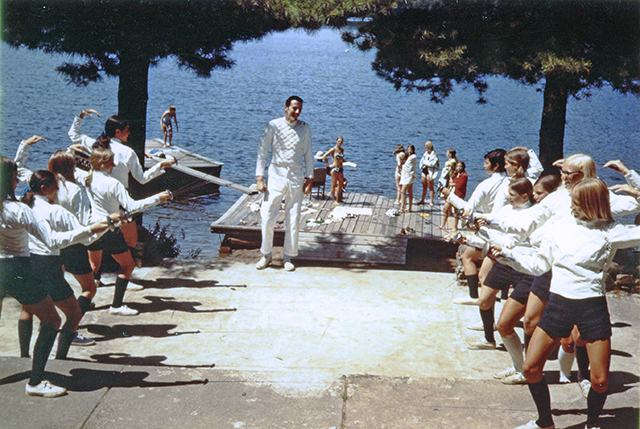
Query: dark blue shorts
(540, 286)
(47, 270)
(111, 242)
(18, 281)
(501, 277)
(75, 259)
(590, 315)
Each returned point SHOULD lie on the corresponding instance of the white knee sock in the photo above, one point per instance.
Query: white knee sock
(514, 347)
(566, 362)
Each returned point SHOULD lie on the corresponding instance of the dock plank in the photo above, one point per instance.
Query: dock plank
(377, 238)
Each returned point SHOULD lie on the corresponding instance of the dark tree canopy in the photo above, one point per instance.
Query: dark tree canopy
(569, 47)
(124, 38)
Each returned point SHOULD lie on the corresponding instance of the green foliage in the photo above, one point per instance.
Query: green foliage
(430, 46)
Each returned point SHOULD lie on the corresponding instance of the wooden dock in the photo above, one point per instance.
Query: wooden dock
(358, 231)
(193, 173)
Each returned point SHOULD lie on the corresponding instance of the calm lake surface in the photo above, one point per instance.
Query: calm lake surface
(223, 117)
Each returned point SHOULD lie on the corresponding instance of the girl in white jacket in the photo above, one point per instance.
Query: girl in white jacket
(107, 195)
(579, 249)
(17, 220)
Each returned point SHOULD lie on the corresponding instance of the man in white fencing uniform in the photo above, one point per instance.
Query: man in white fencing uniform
(290, 143)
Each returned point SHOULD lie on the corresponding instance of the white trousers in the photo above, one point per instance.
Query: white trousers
(283, 183)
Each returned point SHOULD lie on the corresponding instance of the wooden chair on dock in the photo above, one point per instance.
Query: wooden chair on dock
(319, 180)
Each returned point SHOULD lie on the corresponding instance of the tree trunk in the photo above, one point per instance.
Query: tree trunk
(554, 115)
(132, 101)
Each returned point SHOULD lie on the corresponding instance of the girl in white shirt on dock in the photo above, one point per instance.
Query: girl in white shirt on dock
(578, 248)
(107, 195)
(17, 220)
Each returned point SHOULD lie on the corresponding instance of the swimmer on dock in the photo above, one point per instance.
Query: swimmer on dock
(165, 124)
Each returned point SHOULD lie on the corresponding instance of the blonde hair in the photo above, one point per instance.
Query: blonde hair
(428, 145)
(98, 158)
(584, 163)
(591, 195)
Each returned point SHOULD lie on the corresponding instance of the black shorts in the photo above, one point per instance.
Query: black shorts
(47, 270)
(501, 277)
(18, 281)
(540, 286)
(75, 259)
(590, 315)
(111, 242)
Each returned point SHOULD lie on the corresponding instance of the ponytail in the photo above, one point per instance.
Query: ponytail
(39, 179)
(112, 124)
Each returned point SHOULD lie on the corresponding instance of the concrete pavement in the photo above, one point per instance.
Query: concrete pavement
(221, 345)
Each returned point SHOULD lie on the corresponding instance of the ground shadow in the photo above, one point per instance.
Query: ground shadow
(107, 333)
(176, 282)
(157, 304)
(88, 380)
(127, 359)
(614, 418)
(619, 381)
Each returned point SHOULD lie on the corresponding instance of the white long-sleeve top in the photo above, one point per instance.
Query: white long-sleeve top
(59, 219)
(125, 158)
(483, 196)
(495, 234)
(535, 167)
(633, 179)
(107, 195)
(71, 195)
(290, 144)
(17, 221)
(579, 254)
(557, 205)
(430, 161)
(74, 197)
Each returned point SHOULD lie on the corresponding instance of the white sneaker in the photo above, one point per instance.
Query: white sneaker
(506, 373)
(288, 266)
(563, 378)
(263, 263)
(585, 386)
(45, 389)
(482, 345)
(123, 310)
(134, 286)
(533, 425)
(466, 301)
(517, 378)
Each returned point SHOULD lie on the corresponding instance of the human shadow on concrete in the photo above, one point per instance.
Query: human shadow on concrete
(619, 381)
(610, 418)
(181, 282)
(167, 303)
(107, 332)
(88, 380)
(127, 359)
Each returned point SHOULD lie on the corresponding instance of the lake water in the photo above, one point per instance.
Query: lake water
(223, 117)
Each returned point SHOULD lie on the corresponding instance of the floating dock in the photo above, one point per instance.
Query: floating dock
(363, 229)
(193, 174)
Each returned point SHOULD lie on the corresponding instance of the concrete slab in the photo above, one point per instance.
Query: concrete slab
(296, 344)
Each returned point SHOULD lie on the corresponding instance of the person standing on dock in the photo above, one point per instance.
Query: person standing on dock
(165, 124)
(290, 142)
